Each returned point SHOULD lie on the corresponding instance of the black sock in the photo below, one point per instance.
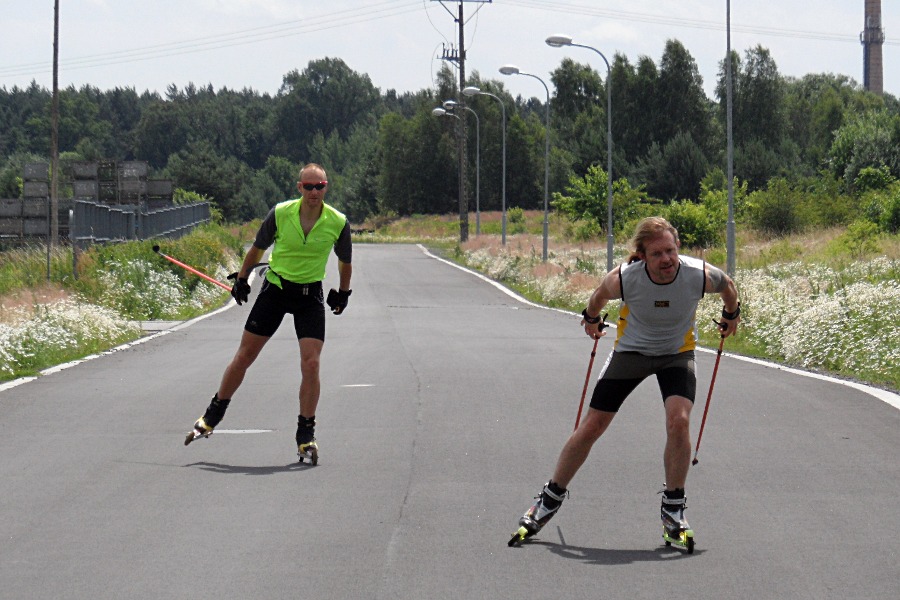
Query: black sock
(555, 488)
(215, 412)
(676, 494)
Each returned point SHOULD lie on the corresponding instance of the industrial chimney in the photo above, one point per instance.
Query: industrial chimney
(872, 39)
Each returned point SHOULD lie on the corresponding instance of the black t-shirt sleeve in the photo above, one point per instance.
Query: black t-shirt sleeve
(343, 248)
(266, 234)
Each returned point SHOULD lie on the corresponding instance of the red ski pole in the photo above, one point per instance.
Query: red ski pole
(587, 378)
(712, 382)
(192, 270)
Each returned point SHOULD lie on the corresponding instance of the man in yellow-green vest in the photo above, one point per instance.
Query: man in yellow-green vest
(304, 232)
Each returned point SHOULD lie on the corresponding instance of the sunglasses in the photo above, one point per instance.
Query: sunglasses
(314, 186)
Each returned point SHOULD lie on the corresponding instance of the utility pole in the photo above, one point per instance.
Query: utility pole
(53, 232)
(461, 123)
(459, 57)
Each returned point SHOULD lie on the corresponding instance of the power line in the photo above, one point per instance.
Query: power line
(619, 15)
(371, 12)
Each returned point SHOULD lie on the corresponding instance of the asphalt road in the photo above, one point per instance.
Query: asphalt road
(444, 405)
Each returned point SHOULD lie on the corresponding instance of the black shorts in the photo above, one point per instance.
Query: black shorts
(675, 373)
(306, 302)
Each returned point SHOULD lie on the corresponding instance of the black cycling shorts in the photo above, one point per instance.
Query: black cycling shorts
(675, 373)
(306, 302)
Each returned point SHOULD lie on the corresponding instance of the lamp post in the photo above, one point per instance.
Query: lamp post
(440, 112)
(450, 105)
(474, 91)
(558, 41)
(729, 85)
(514, 70)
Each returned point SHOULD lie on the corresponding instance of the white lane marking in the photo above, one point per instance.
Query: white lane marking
(217, 431)
(355, 385)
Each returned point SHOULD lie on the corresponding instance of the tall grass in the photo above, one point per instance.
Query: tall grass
(118, 285)
(48, 334)
(27, 267)
(818, 318)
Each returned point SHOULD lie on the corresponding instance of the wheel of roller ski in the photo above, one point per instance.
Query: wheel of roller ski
(518, 537)
(312, 457)
(195, 435)
(685, 540)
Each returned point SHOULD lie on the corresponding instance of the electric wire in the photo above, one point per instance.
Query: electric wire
(581, 10)
(433, 26)
(333, 20)
(385, 10)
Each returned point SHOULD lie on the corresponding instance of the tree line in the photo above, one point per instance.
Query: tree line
(387, 154)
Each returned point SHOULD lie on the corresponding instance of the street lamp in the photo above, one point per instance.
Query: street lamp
(450, 105)
(514, 70)
(474, 91)
(729, 93)
(463, 232)
(558, 41)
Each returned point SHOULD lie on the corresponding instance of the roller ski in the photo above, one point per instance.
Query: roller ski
(676, 531)
(307, 447)
(204, 426)
(548, 502)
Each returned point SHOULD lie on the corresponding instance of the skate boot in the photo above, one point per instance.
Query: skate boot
(204, 426)
(548, 502)
(307, 447)
(675, 527)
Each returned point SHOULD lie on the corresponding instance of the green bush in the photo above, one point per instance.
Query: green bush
(587, 199)
(890, 217)
(825, 202)
(695, 228)
(882, 207)
(861, 238)
(874, 178)
(516, 218)
(585, 231)
(778, 209)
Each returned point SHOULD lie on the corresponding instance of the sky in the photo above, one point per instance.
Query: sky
(238, 44)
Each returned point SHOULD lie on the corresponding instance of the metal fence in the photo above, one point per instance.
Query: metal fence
(93, 222)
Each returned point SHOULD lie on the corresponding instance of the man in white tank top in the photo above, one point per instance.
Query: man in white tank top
(656, 335)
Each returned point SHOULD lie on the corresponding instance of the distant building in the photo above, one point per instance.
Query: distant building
(872, 39)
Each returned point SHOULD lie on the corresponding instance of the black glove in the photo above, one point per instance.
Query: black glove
(600, 321)
(337, 300)
(240, 291)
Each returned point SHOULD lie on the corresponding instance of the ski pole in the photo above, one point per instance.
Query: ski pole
(587, 377)
(192, 270)
(712, 382)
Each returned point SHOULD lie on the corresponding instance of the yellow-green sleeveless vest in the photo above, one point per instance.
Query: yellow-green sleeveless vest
(302, 258)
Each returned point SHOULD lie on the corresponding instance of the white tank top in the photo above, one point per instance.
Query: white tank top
(659, 319)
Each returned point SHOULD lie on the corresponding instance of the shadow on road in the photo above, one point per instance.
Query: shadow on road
(610, 556)
(250, 470)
